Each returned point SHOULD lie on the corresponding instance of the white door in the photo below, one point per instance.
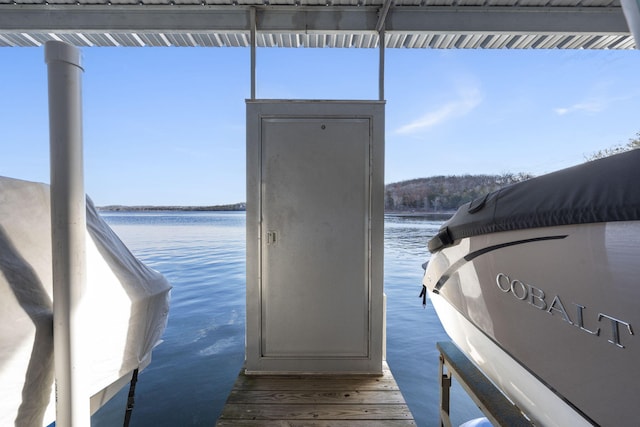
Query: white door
(315, 244)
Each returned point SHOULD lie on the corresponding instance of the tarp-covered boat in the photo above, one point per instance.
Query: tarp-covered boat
(538, 283)
(127, 302)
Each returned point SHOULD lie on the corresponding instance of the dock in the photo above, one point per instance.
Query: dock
(316, 401)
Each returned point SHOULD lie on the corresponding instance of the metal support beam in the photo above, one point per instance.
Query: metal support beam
(511, 20)
(252, 20)
(381, 66)
(383, 15)
(305, 20)
(68, 231)
(445, 395)
(380, 29)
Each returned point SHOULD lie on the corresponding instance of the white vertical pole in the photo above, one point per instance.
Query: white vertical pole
(68, 227)
(252, 24)
(631, 10)
(381, 43)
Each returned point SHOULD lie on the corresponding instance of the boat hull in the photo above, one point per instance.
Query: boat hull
(548, 314)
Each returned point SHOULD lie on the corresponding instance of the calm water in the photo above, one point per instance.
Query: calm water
(203, 256)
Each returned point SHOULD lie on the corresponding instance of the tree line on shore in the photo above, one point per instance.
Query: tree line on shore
(149, 208)
(444, 193)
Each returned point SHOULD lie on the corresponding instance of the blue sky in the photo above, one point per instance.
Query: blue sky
(167, 125)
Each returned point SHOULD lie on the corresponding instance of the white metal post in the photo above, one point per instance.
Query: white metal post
(252, 23)
(68, 228)
(382, 43)
(631, 10)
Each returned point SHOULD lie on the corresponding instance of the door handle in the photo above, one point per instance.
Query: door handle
(271, 237)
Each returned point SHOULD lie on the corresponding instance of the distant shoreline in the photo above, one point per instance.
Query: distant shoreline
(217, 208)
(437, 216)
(242, 207)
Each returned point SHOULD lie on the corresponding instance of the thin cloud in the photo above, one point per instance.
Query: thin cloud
(589, 107)
(467, 101)
(596, 104)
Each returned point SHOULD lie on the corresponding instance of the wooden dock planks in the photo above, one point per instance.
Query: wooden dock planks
(316, 401)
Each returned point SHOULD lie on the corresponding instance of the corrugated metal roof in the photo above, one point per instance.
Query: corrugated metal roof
(435, 24)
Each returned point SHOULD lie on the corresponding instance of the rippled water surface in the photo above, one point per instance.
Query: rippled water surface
(202, 254)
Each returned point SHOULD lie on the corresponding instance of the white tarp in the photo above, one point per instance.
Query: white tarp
(127, 302)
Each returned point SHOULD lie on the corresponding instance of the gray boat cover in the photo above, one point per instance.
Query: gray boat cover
(125, 306)
(598, 191)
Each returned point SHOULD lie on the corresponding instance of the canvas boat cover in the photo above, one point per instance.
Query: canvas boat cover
(126, 306)
(598, 191)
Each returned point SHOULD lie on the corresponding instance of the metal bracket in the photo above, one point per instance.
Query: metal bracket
(498, 409)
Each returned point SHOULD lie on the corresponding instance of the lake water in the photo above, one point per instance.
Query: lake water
(202, 254)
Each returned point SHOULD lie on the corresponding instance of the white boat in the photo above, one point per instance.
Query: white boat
(126, 303)
(539, 284)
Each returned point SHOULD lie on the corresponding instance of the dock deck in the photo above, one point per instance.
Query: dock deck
(316, 401)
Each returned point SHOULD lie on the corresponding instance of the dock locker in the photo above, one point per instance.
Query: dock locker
(315, 218)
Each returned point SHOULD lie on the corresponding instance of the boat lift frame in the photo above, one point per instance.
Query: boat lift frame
(497, 408)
